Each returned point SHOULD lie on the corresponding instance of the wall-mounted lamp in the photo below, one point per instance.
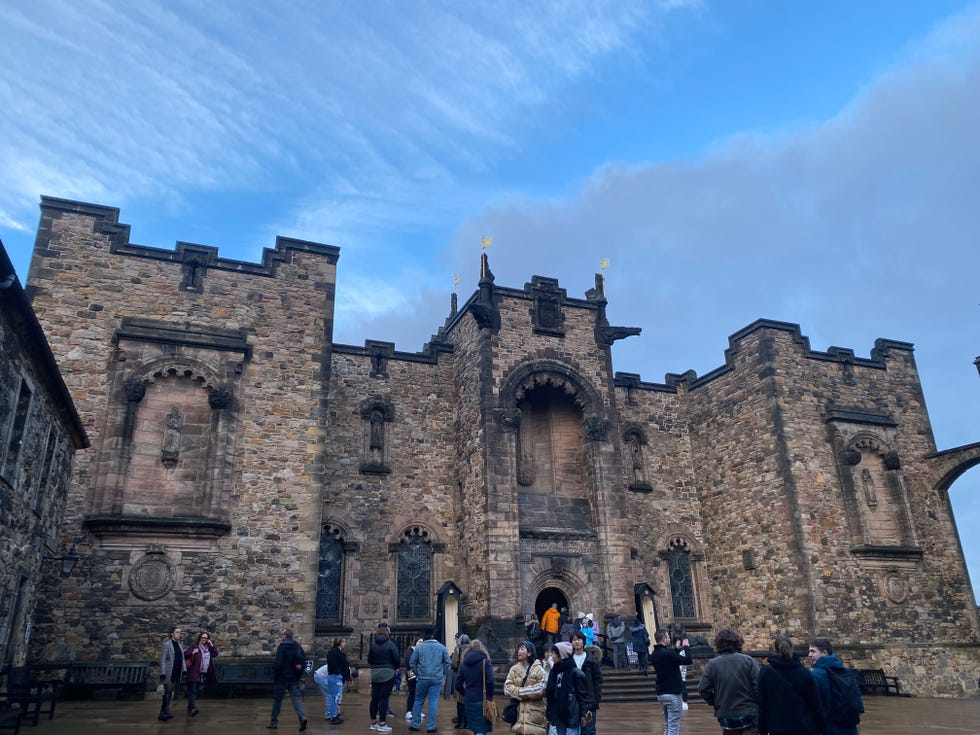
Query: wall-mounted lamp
(68, 561)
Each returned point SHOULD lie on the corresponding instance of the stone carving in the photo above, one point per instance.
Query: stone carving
(891, 461)
(171, 438)
(868, 483)
(851, 457)
(135, 390)
(896, 589)
(595, 428)
(153, 576)
(219, 398)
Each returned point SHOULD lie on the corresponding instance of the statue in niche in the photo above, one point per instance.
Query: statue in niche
(171, 438)
(869, 489)
(525, 459)
(636, 458)
(376, 440)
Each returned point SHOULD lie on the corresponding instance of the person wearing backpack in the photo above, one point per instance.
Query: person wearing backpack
(287, 672)
(840, 695)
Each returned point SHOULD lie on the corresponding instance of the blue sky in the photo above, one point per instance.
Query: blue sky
(815, 162)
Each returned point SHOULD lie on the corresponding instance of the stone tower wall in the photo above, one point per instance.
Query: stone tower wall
(248, 581)
(414, 489)
(788, 533)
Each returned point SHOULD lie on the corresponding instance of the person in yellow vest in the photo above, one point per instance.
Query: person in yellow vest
(549, 623)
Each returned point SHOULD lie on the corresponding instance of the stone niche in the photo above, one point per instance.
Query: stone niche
(165, 460)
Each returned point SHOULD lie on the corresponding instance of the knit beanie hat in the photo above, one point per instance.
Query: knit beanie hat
(530, 650)
(564, 649)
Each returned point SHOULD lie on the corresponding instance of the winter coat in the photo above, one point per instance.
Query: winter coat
(615, 630)
(194, 658)
(640, 637)
(531, 719)
(788, 700)
(549, 621)
(337, 663)
(290, 659)
(382, 658)
(469, 679)
(820, 673)
(430, 660)
(567, 701)
(730, 682)
(170, 660)
(592, 668)
(666, 663)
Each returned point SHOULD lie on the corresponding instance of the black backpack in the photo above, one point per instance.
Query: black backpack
(846, 705)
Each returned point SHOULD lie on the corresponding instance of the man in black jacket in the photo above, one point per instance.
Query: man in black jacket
(589, 660)
(287, 671)
(667, 662)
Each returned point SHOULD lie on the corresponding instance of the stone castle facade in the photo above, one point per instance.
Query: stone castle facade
(246, 472)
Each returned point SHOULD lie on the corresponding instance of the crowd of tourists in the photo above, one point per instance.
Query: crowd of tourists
(555, 686)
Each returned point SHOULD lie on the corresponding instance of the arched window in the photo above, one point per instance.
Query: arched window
(329, 574)
(681, 579)
(414, 574)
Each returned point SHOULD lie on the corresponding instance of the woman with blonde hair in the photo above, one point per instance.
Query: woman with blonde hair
(526, 682)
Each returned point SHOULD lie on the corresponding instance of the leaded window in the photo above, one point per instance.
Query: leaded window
(681, 580)
(414, 575)
(329, 570)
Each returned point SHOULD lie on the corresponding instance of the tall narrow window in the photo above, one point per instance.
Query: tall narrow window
(414, 575)
(329, 575)
(17, 430)
(44, 476)
(681, 581)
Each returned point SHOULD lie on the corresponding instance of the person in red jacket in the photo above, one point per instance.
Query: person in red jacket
(549, 623)
(200, 668)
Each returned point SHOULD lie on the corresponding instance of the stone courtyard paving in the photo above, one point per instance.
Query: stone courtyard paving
(884, 716)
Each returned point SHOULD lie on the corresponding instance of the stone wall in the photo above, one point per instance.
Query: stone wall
(39, 435)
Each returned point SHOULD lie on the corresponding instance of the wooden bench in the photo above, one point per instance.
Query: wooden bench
(32, 697)
(89, 676)
(255, 676)
(872, 681)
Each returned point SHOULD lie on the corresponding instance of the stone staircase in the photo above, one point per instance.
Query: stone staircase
(631, 686)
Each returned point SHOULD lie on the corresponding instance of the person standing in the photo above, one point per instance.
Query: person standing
(172, 665)
(430, 662)
(384, 661)
(475, 681)
(730, 683)
(287, 671)
(410, 679)
(585, 628)
(589, 661)
(641, 643)
(840, 696)
(667, 663)
(788, 700)
(567, 700)
(200, 668)
(527, 681)
(616, 635)
(331, 677)
(549, 623)
(462, 644)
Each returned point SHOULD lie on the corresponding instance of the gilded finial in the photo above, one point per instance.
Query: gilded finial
(603, 264)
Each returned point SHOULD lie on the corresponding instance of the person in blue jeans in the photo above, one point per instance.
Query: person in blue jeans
(667, 662)
(331, 677)
(430, 662)
(287, 671)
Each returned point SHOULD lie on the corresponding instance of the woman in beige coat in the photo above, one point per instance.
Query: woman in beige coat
(530, 712)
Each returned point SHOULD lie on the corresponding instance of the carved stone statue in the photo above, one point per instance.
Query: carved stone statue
(171, 438)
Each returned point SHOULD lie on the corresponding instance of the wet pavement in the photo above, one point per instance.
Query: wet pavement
(884, 716)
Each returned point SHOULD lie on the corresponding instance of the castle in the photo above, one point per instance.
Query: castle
(246, 472)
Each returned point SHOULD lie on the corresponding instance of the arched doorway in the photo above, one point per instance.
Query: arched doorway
(546, 597)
